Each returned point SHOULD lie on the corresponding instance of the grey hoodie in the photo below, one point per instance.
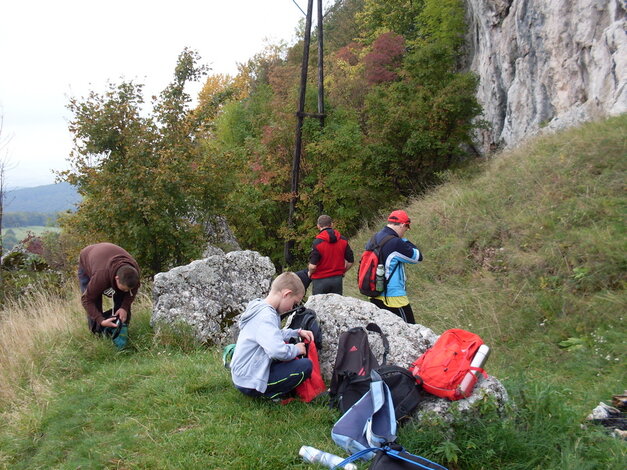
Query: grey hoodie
(260, 341)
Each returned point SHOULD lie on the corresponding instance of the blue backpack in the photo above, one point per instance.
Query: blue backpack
(368, 429)
(369, 423)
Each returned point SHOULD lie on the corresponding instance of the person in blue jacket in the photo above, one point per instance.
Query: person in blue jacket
(264, 364)
(394, 254)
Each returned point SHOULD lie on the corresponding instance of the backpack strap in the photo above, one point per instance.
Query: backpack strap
(297, 310)
(386, 345)
(386, 239)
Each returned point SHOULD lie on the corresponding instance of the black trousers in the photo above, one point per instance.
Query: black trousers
(328, 285)
(405, 312)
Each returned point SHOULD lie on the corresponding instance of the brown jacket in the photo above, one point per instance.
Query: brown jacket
(100, 262)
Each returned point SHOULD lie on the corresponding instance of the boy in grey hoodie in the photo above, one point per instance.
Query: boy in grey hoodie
(263, 363)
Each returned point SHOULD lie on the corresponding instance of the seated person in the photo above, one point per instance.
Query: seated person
(263, 364)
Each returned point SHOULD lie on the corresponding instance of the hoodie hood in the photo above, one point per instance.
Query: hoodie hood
(252, 310)
(329, 235)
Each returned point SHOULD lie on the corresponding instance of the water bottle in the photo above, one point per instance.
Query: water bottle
(380, 279)
(313, 455)
(481, 356)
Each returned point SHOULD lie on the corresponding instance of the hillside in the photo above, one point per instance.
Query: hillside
(526, 249)
(529, 248)
(50, 199)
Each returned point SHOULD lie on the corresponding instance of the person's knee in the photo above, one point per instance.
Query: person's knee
(307, 367)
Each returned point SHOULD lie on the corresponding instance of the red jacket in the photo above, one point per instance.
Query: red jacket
(328, 252)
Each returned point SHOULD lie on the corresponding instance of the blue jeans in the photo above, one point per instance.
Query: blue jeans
(284, 377)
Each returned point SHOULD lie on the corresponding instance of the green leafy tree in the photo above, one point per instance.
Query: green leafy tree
(139, 174)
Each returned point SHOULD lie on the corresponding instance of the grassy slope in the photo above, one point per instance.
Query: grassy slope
(528, 251)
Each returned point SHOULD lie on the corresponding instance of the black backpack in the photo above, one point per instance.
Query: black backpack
(305, 318)
(354, 361)
(406, 393)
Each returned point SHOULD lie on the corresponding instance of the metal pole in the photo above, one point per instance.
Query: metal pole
(289, 244)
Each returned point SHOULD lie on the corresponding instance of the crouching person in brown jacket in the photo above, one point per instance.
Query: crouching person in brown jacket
(107, 269)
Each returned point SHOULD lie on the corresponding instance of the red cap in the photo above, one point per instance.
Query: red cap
(399, 217)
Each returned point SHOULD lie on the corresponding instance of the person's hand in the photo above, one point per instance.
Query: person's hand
(122, 314)
(302, 350)
(306, 335)
(109, 322)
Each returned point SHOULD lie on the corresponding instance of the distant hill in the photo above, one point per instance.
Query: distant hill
(50, 198)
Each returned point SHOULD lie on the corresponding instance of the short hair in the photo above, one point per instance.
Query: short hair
(288, 280)
(128, 276)
(325, 221)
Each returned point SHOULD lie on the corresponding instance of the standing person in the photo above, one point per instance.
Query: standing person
(394, 254)
(107, 269)
(263, 364)
(331, 256)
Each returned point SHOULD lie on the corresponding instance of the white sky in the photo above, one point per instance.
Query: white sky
(51, 50)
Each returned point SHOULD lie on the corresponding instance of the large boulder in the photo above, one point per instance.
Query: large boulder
(208, 294)
(337, 314)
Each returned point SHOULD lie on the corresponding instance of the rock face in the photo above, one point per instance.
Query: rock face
(545, 65)
(220, 235)
(337, 314)
(208, 294)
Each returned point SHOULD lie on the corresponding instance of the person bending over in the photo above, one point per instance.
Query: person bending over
(106, 269)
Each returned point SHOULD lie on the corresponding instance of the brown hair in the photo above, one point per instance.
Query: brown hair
(324, 221)
(128, 276)
(288, 280)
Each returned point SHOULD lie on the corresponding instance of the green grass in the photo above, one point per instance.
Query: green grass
(527, 250)
(22, 232)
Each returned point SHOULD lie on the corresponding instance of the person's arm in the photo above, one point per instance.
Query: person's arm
(411, 252)
(270, 338)
(314, 258)
(97, 284)
(129, 297)
(349, 258)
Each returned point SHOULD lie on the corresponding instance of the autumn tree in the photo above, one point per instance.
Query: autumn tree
(138, 172)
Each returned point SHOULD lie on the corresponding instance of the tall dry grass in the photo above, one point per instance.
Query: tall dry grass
(31, 330)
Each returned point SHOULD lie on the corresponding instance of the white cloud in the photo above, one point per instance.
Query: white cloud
(52, 50)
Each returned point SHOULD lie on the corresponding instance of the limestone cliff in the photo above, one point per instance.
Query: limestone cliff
(546, 64)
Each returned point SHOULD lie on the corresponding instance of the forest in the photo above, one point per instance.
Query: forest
(399, 111)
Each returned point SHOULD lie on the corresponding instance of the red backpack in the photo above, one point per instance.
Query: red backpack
(367, 275)
(444, 366)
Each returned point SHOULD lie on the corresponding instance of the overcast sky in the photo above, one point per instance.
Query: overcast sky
(51, 50)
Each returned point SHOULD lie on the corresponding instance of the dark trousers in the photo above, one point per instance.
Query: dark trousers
(94, 326)
(327, 285)
(405, 312)
(284, 377)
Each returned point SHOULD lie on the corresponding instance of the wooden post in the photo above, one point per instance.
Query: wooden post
(300, 116)
(320, 66)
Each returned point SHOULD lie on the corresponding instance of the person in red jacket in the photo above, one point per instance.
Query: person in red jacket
(106, 269)
(331, 256)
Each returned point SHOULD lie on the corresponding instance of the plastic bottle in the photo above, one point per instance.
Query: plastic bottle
(313, 455)
(380, 279)
(481, 356)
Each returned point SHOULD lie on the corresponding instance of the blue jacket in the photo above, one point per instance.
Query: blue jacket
(261, 340)
(396, 252)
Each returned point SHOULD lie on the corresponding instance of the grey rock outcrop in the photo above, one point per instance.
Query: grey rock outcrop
(336, 314)
(208, 294)
(546, 65)
(220, 235)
